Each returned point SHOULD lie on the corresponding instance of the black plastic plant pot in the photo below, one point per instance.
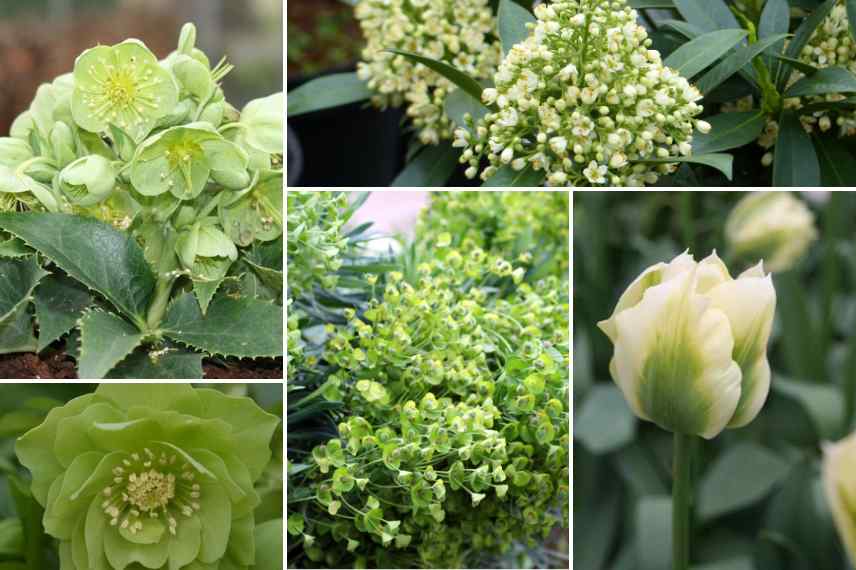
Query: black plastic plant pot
(351, 145)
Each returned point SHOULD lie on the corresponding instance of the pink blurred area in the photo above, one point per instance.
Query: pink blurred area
(392, 212)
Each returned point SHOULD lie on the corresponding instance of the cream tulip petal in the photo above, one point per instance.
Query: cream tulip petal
(839, 479)
(673, 360)
(750, 305)
(711, 272)
(756, 270)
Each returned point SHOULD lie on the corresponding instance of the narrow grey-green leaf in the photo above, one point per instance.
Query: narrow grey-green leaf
(729, 130)
(512, 20)
(654, 533)
(453, 74)
(605, 423)
(742, 56)
(709, 15)
(460, 103)
(837, 165)
(722, 162)
(162, 364)
(826, 80)
(795, 160)
(93, 252)
(105, 340)
(822, 403)
(232, 327)
(801, 38)
(699, 53)
(506, 176)
(801, 66)
(326, 92)
(60, 302)
(743, 475)
(647, 4)
(431, 167)
(775, 19)
(18, 278)
(686, 29)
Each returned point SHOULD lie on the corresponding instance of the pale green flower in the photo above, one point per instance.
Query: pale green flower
(839, 477)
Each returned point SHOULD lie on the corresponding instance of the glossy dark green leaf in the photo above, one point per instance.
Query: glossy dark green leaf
(799, 65)
(16, 332)
(696, 55)
(740, 477)
(741, 57)
(59, 302)
(709, 15)
(686, 29)
(604, 423)
(245, 328)
(159, 364)
(729, 130)
(326, 92)
(646, 4)
(456, 76)
(92, 252)
(794, 161)
(722, 162)
(14, 247)
(431, 167)
(460, 103)
(801, 38)
(508, 177)
(18, 278)
(826, 80)
(105, 340)
(837, 164)
(775, 19)
(512, 19)
(851, 17)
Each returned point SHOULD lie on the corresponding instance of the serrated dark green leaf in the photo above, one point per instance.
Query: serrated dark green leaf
(453, 74)
(92, 252)
(795, 160)
(729, 130)
(741, 57)
(722, 162)
(508, 177)
(696, 55)
(59, 302)
(18, 278)
(709, 15)
(327, 92)
(14, 248)
(826, 80)
(232, 327)
(105, 340)
(512, 19)
(16, 332)
(146, 363)
(432, 167)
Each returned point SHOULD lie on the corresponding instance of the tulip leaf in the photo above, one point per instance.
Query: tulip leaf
(453, 74)
(512, 20)
(431, 167)
(105, 340)
(60, 302)
(654, 532)
(159, 364)
(826, 80)
(697, 54)
(729, 130)
(605, 422)
(245, 328)
(709, 15)
(327, 92)
(739, 478)
(795, 161)
(507, 176)
(92, 252)
(822, 403)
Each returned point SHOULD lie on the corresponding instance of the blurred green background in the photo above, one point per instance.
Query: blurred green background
(759, 502)
(39, 39)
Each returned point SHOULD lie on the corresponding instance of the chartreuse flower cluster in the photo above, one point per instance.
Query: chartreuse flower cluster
(528, 227)
(459, 32)
(141, 476)
(152, 146)
(457, 436)
(584, 98)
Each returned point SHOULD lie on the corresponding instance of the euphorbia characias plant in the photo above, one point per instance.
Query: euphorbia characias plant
(690, 347)
(142, 476)
(141, 182)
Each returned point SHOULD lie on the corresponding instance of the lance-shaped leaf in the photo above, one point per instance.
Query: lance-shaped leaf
(432, 166)
(824, 81)
(456, 76)
(801, 38)
(327, 92)
(729, 130)
(507, 176)
(512, 20)
(795, 161)
(696, 55)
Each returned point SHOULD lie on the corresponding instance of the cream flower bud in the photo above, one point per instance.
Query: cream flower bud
(690, 345)
(774, 226)
(703, 127)
(839, 479)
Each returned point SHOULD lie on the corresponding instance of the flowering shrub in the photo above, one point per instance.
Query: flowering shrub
(462, 33)
(135, 477)
(584, 99)
(139, 181)
(451, 380)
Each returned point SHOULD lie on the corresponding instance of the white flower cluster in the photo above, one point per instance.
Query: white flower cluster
(460, 32)
(584, 98)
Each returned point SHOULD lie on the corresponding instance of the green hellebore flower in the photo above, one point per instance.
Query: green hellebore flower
(123, 85)
(204, 239)
(262, 119)
(88, 180)
(136, 477)
(14, 151)
(839, 478)
(181, 160)
(690, 345)
(256, 215)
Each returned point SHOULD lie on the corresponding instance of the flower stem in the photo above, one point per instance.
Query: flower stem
(681, 500)
(157, 308)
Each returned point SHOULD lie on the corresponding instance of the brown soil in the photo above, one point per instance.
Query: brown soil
(54, 364)
(322, 35)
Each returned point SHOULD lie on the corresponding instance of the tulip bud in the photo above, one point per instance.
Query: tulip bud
(839, 477)
(690, 345)
(774, 226)
(88, 180)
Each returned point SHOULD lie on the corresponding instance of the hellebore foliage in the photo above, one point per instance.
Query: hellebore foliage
(429, 423)
(146, 197)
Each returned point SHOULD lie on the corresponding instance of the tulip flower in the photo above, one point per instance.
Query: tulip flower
(690, 346)
(774, 226)
(839, 476)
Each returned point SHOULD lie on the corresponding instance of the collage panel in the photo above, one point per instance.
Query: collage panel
(428, 379)
(714, 390)
(141, 181)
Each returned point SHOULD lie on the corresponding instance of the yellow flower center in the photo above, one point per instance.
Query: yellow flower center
(122, 96)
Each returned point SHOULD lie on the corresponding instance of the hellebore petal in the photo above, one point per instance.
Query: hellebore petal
(839, 478)
(88, 180)
(263, 119)
(774, 226)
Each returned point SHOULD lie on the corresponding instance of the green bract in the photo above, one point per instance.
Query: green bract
(141, 476)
